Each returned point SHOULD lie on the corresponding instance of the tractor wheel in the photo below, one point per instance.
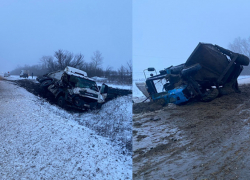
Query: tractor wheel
(211, 94)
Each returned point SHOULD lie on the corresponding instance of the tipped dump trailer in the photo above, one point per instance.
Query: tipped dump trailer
(210, 71)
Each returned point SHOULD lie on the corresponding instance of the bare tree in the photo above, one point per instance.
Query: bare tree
(129, 71)
(129, 63)
(108, 71)
(78, 61)
(97, 60)
(63, 58)
(121, 72)
(241, 46)
(48, 63)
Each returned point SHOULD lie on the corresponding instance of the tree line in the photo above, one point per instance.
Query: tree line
(63, 58)
(242, 46)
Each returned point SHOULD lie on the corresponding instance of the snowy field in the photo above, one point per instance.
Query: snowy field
(139, 77)
(43, 141)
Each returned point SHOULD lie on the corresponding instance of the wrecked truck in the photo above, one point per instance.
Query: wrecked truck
(209, 72)
(24, 73)
(72, 87)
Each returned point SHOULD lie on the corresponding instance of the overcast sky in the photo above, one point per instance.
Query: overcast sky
(31, 29)
(165, 32)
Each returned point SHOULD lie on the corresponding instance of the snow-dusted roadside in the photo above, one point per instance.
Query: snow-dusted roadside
(113, 120)
(41, 141)
(244, 80)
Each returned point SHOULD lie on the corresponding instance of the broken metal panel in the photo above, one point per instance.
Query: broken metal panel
(142, 87)
(56, 75)
(71, 70)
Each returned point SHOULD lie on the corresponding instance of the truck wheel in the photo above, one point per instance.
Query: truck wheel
(242, 60)
(211, 94)
(78, 102)
(46, 83)
(187, 71)
(61, 102)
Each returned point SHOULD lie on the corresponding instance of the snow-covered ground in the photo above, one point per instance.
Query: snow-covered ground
(43, 141)
(244, 80)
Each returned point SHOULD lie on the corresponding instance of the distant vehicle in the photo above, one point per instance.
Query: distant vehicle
(24, 74)
(72, 87)
(6, 74)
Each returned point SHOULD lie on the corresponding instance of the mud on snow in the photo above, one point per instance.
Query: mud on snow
(198, 140)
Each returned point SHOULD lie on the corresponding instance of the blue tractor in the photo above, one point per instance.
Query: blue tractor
(210, 71)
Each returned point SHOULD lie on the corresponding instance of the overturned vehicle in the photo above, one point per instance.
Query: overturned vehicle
(72, 88)
(210, 71)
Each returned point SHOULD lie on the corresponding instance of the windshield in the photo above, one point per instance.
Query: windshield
(83, 83)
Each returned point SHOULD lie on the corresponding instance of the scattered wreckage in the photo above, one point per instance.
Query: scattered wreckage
(210, 71)
(71, 87)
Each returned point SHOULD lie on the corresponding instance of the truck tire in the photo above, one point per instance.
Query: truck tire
(61, 101)
(78, 102)
(187, 71)
(211, 94)
(46, 83)
(242, 60)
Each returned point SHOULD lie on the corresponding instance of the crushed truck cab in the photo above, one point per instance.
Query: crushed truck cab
(71, 87)
(210, 71)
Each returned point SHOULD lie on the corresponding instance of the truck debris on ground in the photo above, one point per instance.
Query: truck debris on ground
(209, 72)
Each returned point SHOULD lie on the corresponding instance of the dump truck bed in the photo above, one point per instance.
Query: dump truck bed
(213, 63)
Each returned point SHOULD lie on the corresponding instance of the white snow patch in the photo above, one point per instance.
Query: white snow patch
(42, 141)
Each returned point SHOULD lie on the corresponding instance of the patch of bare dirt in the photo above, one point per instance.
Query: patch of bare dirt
(198, 140)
